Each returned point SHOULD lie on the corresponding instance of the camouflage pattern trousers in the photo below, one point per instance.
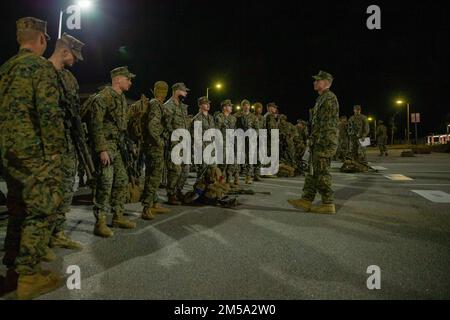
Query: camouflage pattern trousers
(382, 145)
(34, 194)
(358, 152)
(154, 164)
(112, 184)
(69, 169)
(229, 171)
(177, 175)
(248, 169)
(343, 148)
(320, 181)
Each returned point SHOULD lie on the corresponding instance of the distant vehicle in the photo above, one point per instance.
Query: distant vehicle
(438, 139)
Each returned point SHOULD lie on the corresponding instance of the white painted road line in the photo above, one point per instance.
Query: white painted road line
(379, 168)
(436, 196)
(397, 177)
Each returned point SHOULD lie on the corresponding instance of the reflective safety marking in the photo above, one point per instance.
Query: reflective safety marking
(436, 196)
(379, 168)
(397, 177)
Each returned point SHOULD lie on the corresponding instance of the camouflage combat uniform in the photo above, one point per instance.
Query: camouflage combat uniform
(69, 92)
(31, 143)
(109, 123)
(323, 141)
(287, 141)
(260, 124)
(271, 122)
(207, 123)
(344, 141)
(223, 123)
(153, 130)
(300, 140)
(245, 122)
(382, 139)
(358, 127)
(177, 119)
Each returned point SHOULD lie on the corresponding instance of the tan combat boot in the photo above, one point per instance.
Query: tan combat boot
(49, 255)
(324, 209)
(248, 180)
(61, 240)
(101, 229)
(156, 208)
(147, 214)
(119, 221)
(257, 178)
(32, 286)
(301, 204)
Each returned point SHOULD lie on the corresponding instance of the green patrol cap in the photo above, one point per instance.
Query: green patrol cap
(203, 100)
(245, 101)
(272, 104)
(322, 75)
(258, 105)
(226, 102)
(122, 71)
(31, 23)
(74, 45)
(179, 86)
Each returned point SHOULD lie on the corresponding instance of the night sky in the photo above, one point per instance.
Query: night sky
(266, 51)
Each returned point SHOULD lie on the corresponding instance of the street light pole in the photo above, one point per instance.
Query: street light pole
(60, 24)
(407, 114)
(375, 122)
(217, 86)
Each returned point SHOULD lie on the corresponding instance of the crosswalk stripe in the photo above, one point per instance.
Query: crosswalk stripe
(379, 168)
(436, 196)
(398, 177)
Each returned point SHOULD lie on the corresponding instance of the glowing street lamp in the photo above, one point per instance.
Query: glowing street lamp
(218, 86)
(84, 4)
(401, 102)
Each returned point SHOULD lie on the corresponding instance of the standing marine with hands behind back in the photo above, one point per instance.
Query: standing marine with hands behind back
(323, 142)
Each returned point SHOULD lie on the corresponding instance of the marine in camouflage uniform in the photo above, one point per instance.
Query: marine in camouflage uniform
(67, 52)
(287, 136)
(207, 121)
(261, 124)
(225, 120)
(245, 121)
(177, 118)
(31, 144)
(110, 115)
(300, 140)
(154, 124)
(358, 128)
(323, 144)
(271, 122)
(344, 140)
(382, 138)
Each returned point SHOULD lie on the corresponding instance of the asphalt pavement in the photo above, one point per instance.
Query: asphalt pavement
(397, 219)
